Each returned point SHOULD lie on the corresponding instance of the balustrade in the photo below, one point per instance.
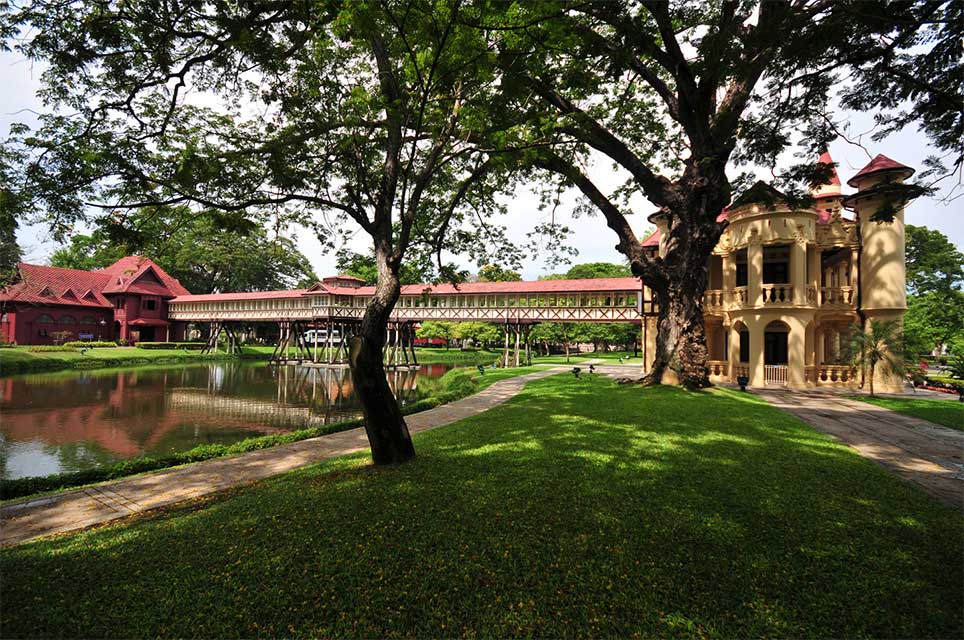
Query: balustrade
(836, 296)
(741, 370)
(777, 293)
(718, 368)
(812, 295)
(829, 374)
(713, 299)
(739, 296)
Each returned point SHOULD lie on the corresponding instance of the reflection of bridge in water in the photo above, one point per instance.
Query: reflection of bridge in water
(55, 423)
(305, 396)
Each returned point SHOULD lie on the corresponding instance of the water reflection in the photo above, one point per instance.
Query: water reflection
(51, 423)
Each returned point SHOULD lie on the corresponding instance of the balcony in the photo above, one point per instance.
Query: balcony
(777, 294)
(836, 296)
(713, 300)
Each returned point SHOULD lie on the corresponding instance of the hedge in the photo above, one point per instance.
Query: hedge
(190, 346)
(90, 344)
(39, 348)
(456, 384)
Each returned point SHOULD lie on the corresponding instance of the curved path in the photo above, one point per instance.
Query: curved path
(930, 455)
(31, 518)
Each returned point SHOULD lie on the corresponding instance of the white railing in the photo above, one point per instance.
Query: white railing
(739, 296)
(776, 374)
(777, 293)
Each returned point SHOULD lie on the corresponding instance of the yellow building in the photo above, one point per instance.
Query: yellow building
(786, 285)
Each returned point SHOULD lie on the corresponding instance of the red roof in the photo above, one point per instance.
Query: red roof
(652, 240)
(137, 274)
(530, 286)
(878, 165)
(56, 286)
(826, 159)
(245, 295)
(149, 322)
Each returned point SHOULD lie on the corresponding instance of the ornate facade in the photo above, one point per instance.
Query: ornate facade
(786, 285)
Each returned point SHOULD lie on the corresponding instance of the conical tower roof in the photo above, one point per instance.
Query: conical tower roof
(880, 164)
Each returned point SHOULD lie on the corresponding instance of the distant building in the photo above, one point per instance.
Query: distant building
(125, 301)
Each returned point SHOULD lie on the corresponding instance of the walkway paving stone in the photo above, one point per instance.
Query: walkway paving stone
(31, 518)
(919, 451)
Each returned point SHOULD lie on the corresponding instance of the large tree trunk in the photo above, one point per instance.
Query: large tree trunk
(681, 352)
(387, 432)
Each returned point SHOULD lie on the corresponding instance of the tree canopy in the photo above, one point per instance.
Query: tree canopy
(200, 250)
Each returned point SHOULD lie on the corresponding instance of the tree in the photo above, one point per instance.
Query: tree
(495, 273)
(431, 329)
(481, 333)
(675, 94)
(206, 255)
(339, 116)
(418, 269)
(598, 270)
(933, 320)
(877, 346)
(933, 262)
(935, 304)
(10, 252)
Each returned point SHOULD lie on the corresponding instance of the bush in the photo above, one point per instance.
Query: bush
(50, 347)
(7, 345)
(190, 346)
(90, 344)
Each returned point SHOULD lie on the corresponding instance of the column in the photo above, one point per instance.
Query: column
(796, 353)
(813, 271)
(754, 271)
(756, 327)
(733, 354)
(798, 272)
(854, 274)
(729, 278)
(819, 352)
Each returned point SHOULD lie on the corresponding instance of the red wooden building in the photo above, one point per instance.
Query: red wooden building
(125, 301)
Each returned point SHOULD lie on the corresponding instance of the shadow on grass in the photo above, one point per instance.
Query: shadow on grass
(578, 508)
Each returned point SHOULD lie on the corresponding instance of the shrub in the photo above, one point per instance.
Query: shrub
(90, 344)
(190, 346)
(7, 345)
(50, 347)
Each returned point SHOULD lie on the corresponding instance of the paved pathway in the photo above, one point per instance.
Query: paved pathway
(32, 518)
(917, 450)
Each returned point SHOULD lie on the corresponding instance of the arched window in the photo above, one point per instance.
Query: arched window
(45, 319)
(88, 320)
(67, 320)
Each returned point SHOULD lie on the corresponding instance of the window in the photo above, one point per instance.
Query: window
(45, 319)
(744, 345)
(67, 320)
(88, 320)
(149, 304)
(118, 303)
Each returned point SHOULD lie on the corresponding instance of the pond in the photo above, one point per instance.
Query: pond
(70, 421)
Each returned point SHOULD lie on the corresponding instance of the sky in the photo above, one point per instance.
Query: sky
(594, 241)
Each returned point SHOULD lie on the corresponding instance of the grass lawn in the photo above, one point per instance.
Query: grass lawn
(578, 508)
(949, 413)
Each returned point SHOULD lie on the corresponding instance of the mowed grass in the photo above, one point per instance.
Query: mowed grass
(578, 508)
(949, 412)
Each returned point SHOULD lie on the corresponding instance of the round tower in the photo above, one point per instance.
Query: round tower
(879, 206)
